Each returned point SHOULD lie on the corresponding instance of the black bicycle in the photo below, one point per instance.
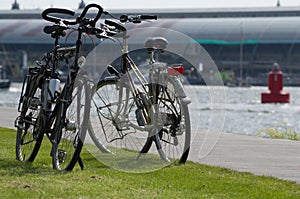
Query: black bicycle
(47, 108)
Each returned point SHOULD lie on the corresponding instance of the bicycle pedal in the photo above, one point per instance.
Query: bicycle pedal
(62, 154)
(70, 125)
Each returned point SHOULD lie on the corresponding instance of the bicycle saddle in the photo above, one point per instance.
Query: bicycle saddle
(156, 43)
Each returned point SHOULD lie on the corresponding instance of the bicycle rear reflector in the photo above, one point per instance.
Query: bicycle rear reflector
(176, 70)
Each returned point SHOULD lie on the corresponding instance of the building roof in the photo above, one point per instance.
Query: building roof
(222, 31)
(176, 13)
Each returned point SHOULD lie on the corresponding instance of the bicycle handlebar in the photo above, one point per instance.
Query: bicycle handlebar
(98, 15)
(115, 24)
(137, 18)
(126, 18)
(57, 20)
(148, 17)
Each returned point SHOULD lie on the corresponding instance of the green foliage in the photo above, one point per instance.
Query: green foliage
(192, 180)
(282, 132)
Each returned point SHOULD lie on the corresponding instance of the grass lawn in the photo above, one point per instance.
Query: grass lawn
(39, 180)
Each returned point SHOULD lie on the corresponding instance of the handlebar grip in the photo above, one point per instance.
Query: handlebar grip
(48, 11)
(148, 17)
(123, 18)
(97, 17)
(115, 24)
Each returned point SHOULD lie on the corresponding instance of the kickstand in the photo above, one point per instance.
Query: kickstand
(80, 162)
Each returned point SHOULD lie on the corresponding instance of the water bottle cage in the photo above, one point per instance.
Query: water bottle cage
(53, 90)
(52, 97)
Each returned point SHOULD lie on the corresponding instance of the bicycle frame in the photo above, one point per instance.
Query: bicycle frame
(65, 97)
(146, 97)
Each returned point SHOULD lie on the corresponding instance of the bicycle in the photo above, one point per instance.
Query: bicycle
(45, 108)
(129, 116)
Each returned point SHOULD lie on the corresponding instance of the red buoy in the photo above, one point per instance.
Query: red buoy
(275, 84)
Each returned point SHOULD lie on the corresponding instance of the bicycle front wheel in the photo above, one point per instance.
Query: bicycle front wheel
(70, 128)
(113, 121)
(30, 127)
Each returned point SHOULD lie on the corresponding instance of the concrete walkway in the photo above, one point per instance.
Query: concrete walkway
(8, 117)
(260, 156)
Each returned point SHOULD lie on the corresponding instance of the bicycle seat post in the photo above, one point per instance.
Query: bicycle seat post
(125, 44)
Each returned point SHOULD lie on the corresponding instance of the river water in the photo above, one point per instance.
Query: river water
(235, 110)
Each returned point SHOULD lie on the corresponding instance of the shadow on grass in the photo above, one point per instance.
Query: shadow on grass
(42, 165)
(125, 160)
(128, 160)
(14, 167)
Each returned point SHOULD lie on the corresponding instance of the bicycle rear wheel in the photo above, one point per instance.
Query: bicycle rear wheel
(30, 127)
(174, 135)
(70, 128)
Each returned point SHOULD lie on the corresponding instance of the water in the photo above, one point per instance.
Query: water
(241, 111)
(10, 97)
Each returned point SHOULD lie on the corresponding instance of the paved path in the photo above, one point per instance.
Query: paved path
(261, 156)
(270, 157)
(8, 117)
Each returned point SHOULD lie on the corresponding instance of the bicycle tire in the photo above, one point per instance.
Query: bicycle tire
(110, 133)
(70, 130)
(29, 127)
(174, 137)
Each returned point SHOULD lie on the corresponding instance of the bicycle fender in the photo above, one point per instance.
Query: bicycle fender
(180, 91)
(114, 78)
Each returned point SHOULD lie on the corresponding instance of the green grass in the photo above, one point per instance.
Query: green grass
(39, 180)
(281, 132)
